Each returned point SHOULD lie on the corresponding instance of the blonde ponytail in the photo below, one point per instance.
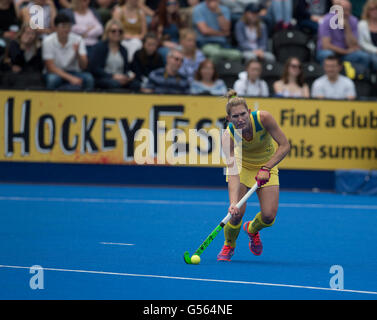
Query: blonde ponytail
(234, 100)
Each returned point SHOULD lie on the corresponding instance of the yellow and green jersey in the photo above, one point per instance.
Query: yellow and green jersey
(256, 152)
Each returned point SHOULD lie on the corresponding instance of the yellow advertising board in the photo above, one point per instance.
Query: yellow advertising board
(176, 130)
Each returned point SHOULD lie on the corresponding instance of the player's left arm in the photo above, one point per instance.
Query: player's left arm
(278, 135)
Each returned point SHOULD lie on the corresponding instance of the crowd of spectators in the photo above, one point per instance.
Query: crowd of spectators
(175, 46)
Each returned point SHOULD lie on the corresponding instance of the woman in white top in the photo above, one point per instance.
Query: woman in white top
(292, 84)
(249, 82)
(367, 29)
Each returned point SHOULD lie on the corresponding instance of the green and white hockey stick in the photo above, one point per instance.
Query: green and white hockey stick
(215, 232)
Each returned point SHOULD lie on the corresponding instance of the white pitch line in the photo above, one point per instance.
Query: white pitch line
(185, 202)
(197, 279)
(117, 244)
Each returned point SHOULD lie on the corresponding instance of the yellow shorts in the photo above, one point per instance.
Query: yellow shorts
(247, 176)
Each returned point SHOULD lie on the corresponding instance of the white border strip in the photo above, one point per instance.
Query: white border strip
(117, 244)
(184, 202)
(197, 279)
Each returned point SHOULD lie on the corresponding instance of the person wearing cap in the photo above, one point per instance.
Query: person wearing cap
(252, 35)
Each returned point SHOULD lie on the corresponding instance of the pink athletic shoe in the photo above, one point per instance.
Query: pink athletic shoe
(255, 244)
(225, 254)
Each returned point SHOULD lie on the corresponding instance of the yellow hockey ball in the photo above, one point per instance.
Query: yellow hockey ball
(195, 259)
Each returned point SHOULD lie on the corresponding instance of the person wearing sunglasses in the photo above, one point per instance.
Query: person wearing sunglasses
(109, 61)
(292, 84)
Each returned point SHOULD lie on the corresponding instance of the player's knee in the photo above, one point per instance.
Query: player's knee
(268, 217)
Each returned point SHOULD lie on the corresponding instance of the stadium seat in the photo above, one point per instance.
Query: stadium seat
(364, 89)
(361, 76)
(312, 71)
(229, 70)
(272, 72)
(291, 43)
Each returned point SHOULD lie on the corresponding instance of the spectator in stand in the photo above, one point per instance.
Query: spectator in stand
(109, 61)
(207, 80)
(147, 58)
(343, 42)
(65, 58)
(250, 83)
(25, 52)
(310, 12)
(333, 85)
(134, 25)
(25, 59)
(49, 14)
(168, 80)
(252, 35)
(212, 24)
(292, 83)
(85, 22)
(166, 24)
(9, 24)
(367, 28)
(192, 56)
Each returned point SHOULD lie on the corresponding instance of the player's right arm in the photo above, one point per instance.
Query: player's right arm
(233, 175)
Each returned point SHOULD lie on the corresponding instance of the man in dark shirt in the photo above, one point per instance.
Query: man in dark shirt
(168, 80)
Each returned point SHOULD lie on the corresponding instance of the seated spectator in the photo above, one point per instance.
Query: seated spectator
(166, 24)
(292, 84)
(249, 82)
(192, 56)
(367, 28)
(49, 14)
(109, 61)
(207, 80)
(310, 12)
(85, 22)
(168, 80)
(252, 35)
(9, 24)
(134, 25)
(147, 58)
(333, 85)
(65, 58)
(25, 59)
(341, 41)
(25, 52)
(212, 25)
